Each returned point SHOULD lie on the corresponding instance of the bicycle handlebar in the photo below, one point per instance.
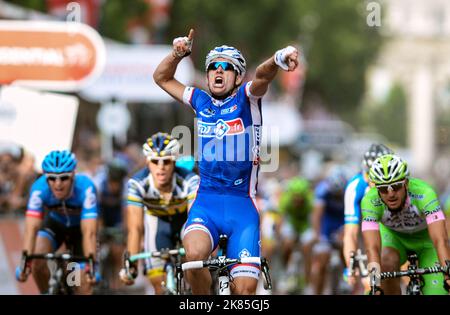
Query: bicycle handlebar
(60, 257)
(165, 254)
(219, 263)
(414, 272)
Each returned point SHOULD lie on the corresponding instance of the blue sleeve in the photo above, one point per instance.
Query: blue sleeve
(194, 97)
(37, 197)
(89, 198)
(321, 192)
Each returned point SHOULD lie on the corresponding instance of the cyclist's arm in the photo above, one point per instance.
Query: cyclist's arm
(435, 218)
(32, 225)
(350, 241)
(352, 200)
(89, 232)
(164, 74)
(135, 226)
(316, 218)
(371, 216)
(267, 71)
(372, 243)
(34, 215)
(438, 235)
(164, 77)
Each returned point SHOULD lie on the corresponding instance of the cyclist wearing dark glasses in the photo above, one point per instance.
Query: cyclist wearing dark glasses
(402, 214)
(62, 209)
(158, 199)
(229, 123)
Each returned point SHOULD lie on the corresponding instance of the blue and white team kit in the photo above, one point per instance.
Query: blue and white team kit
(62, 223)
(354, 193)
(332, 219)
(229, 133)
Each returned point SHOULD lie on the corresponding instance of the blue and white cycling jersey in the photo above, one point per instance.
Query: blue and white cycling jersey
(354, 193)
(229, 133)
(333, 216)
(82, 203)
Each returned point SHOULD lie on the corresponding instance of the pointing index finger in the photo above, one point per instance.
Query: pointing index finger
(191, 34)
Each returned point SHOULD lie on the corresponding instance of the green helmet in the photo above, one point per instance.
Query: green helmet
(298, 185)
(388, 169)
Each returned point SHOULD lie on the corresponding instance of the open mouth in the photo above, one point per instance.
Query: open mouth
(218, 81)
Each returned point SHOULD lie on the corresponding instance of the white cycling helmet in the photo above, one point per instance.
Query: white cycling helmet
(161, 145)
(228, 53)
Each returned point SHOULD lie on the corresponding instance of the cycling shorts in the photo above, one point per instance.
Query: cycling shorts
(235, 216)
(59, 233)
(422, 245)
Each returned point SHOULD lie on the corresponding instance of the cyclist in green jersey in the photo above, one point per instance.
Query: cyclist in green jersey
(296, 204)
(402, 214)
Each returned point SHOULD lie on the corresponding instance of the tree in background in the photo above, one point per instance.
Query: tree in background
(337, 42)
(389, 117)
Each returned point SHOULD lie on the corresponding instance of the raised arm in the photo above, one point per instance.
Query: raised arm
(286, 58)
(165, 72)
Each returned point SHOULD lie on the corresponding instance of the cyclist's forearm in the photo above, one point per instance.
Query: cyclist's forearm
(372, 243)
(134, 240)
(316, 219)
(166, 69)
(443, 250)
(89, 232)
(264, 74)
(350, 241)
(266, 71)
(31, 228)
(89, 244)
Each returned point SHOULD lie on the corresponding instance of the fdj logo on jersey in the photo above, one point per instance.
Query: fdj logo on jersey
(220, 128)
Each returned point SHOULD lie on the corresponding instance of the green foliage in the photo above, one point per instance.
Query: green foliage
(116, 14)
(338, 43)
(388, 118)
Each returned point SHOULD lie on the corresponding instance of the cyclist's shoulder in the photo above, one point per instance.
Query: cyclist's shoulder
(357, 182)
(83, 181)
(322, 188)
(40, 183)
(371, 199)
(141, 175)
(417, 184)
(40, 188)
(184, 176)
(420, 190)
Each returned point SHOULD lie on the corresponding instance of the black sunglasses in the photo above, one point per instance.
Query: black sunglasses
(384, 189)
(165, 161)
(226, 66)
(62, 177)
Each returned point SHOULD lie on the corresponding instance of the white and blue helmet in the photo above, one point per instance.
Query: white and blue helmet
(228, 53)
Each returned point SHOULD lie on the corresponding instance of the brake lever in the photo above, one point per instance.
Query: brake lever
(266, 274)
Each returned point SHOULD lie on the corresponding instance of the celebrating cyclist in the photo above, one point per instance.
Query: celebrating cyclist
(158, 200)
(354, 192)
(402, 214)
(229, 130)
(62, 208)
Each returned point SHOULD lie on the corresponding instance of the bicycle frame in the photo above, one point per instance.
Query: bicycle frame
(221, 264)
(171, 257)
(56, 282)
